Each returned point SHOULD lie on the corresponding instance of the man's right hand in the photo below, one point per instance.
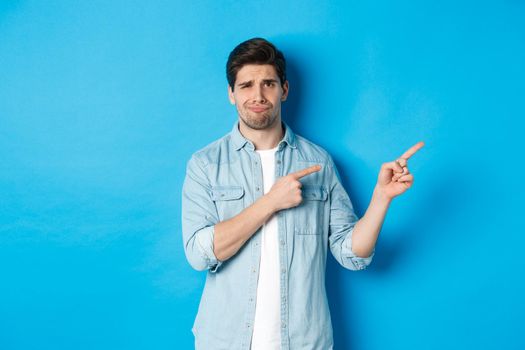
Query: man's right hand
(286, 191)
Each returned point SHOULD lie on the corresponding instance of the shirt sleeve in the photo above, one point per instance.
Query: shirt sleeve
(342, 223)
(199, 216)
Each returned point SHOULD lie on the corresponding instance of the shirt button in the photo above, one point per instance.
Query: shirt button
(282, 242)
(284, 325)
(278, 161)
(283, 271)
(257, 188)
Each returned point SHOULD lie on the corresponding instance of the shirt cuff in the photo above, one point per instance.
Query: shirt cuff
(359, 262)
(205, 245)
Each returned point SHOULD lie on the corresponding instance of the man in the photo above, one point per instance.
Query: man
(260, 207)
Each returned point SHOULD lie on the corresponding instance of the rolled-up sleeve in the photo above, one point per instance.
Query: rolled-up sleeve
(199, 216)
(342, 223)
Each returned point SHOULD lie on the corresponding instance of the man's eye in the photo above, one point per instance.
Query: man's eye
(270, 83)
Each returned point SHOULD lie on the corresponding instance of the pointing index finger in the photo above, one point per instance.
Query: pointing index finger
(307, 171)
(412, 150)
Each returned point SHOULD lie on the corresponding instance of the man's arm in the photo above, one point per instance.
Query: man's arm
(230, 235)
(367, 229)
(208, 242)
(393, 180)
(199, 216)
(342, 224)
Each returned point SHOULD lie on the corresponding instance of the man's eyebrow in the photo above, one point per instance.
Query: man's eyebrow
(246, 82)
(269, 80)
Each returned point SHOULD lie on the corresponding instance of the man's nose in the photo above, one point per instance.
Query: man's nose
(259, 94)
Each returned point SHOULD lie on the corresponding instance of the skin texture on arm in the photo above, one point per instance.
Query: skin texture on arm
(230, 235)
(393, 180)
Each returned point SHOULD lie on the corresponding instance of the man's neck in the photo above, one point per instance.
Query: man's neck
(263, 139)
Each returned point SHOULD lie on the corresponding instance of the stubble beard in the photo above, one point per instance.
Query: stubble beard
(258, 122)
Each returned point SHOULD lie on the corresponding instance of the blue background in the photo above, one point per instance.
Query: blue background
(103, 102)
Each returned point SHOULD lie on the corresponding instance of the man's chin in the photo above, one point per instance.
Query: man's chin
(259, 123)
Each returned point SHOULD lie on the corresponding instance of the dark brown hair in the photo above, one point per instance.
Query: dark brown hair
(255, 51)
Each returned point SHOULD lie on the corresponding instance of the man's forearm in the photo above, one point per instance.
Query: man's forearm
(230, 235)
(368, 227)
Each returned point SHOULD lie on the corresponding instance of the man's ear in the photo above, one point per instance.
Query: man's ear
(286, 88)
(230, 95)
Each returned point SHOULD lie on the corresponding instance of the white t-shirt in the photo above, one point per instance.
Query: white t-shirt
(267, 324)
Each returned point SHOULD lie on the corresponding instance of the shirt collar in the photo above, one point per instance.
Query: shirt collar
(239, 141)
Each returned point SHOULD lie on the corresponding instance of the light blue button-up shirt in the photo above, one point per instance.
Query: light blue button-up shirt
(224, 178)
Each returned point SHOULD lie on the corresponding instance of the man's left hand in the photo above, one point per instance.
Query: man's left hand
(394, 177)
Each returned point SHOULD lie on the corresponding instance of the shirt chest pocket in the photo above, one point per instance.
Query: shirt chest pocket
(310, 214)
(229, 200)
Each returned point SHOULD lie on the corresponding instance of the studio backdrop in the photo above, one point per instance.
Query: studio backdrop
(102, 104)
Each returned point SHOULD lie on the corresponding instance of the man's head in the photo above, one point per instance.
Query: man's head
(256, 73)
(255, 51)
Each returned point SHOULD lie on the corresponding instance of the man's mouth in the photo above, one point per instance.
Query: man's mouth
(258, 109)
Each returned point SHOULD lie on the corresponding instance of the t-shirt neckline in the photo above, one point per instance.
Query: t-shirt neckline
(272, 150)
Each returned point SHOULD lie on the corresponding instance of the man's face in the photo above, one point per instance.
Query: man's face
(258, 95)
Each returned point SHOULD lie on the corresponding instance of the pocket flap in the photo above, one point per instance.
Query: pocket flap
(314, 193)
(226, 193)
